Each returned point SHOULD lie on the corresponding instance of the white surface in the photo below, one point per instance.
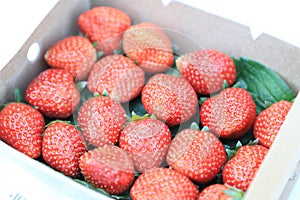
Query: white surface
(18, 19)
(276, 18)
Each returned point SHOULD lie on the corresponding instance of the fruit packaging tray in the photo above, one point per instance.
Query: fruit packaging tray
(192, 29)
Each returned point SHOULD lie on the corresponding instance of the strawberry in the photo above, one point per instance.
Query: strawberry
(21, 126)
(149, 46)
(62, 147)
(170, 98)
(101, 119)
(119, 76)
(269, 122)
(207, 70)
(104, 25)
(109, 168)
(220, 192)
(163, 183)
(146, 141)
(54, 93)
(197, 154)
(240, 170)
(76, 54)
(229, 114)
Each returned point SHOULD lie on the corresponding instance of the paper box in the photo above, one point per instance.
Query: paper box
(191, 29)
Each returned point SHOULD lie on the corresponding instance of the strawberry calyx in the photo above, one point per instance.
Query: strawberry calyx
(195, 126)
(234, 192)
(81, 85)
(231, 152)
(56, 121)
(136, 117)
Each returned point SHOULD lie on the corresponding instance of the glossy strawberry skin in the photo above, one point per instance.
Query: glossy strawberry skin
(54, 93)
(119, 76)
(101, 120)
(163, 183)
(230, 114)
(104, 25)
(62, 147)
(197, 154)
(146, 141)
(268, 123)
(206, 70)
(149, 46)
(108, 167)
(214, 192)
(170, 98)
(241, 169)
(21, 127)
(76, 54)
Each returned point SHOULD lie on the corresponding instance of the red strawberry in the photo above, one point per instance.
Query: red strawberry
(207, 70)
(269, 122)
(21, 127)
(101, 119)
(230, 114)
(196, 154)
(240, 170)
(104, 25)
(146, 141)
(163, 183)
(76, 54)
(108, 167)
(220, 192)
(170, 98)
(119, 76)
(149, 46)
(53, 91)
(62, 147)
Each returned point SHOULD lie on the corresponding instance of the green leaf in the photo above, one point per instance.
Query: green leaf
(264, 84)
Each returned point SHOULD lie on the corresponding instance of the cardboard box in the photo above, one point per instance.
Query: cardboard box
(191, 29)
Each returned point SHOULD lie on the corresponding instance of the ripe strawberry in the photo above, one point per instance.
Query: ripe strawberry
(230, 114)
(170, 98)
(21, 127)
(269, 122)
(76, 54)
(240, 170)
(108, 167)
(146, 141)
(149, 46)
(62, 147)
(220, 192)
(206, 70)
(104, 25)
(53, 91)
(163, 183)
(197, 154)
(101, 119)
(119, 76)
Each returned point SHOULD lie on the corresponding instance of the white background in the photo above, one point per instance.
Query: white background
(19, 18)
